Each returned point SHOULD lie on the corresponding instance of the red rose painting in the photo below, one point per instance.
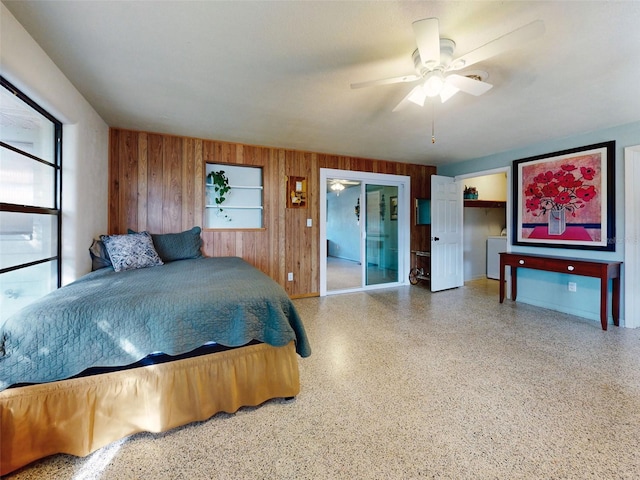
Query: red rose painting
(562, 199)
(561, 190)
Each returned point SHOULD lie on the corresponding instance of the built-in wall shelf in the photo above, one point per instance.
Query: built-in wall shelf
(243, 204)
(485, 203)
(235, 207)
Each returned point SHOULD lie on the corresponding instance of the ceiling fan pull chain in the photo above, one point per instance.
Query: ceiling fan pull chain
(433, 122)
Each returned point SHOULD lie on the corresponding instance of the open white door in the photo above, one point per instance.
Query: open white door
(446, 233)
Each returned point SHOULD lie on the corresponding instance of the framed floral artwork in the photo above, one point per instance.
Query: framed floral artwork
(566, 199)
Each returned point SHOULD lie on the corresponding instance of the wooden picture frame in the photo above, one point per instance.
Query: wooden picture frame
(393, 208)
(296, 192)
(566, 199)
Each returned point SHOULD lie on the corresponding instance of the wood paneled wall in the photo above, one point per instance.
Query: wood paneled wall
(156, 183)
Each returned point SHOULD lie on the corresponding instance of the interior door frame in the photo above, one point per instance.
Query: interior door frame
(403, 183)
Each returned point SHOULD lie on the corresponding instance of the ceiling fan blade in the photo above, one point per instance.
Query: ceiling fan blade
(501, 44)
(468, 85)
(448, 91)
(416, 95)
(427, 32)
(386, 81)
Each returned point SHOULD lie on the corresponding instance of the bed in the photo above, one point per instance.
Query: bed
(150, 348)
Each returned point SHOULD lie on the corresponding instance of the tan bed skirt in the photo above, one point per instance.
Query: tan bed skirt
(81, 415)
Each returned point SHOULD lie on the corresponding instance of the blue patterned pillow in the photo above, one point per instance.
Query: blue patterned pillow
(128, 252)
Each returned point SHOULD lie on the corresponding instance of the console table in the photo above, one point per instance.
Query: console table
(602, 269)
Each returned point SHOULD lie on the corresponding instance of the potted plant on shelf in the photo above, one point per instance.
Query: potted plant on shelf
(470, 193)
(220, 184)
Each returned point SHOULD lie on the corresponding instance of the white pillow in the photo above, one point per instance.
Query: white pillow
(128, 252)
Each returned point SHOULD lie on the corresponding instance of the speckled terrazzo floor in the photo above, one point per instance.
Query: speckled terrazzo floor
(406, 384)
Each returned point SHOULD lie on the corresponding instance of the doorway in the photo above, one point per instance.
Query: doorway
(486, 223)
(364, 230)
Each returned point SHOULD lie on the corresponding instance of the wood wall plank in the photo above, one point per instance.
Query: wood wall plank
(129, 180)
(143, 190)
(155, 173)
(188, 179)
(113, 214)
(172, 184)
(156, 183)
(198, 188)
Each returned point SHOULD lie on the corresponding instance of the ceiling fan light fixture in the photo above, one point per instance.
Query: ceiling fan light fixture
(337, 187)
(433, 84)
(433, 58)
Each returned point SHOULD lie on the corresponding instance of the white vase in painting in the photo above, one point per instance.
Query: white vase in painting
(557, 223)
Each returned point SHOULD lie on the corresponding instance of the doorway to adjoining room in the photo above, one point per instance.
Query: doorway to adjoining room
(364, 230)
(485, 223)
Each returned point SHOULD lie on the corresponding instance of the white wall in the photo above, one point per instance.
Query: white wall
(85, 141)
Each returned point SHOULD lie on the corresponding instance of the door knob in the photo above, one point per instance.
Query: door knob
(435, 239)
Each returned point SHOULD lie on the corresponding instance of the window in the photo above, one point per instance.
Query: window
(30, 189)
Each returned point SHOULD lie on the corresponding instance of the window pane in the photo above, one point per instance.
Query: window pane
(27, 237)
(21, 287)
(25, 128)
(24, 181)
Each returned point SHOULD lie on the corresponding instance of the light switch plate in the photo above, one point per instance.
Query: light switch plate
(309, 222)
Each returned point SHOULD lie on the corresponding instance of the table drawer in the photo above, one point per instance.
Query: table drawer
(575, 267)
(527, 262)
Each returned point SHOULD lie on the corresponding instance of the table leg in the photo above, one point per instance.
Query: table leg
(603, 302)
(501, 282)
(615, 300)
(514, 283)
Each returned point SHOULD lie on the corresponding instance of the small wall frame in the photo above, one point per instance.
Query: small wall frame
(296, 192)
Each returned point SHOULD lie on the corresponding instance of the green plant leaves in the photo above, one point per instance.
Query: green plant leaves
(221, 186)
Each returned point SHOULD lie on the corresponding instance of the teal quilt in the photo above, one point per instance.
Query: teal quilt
(109, 319)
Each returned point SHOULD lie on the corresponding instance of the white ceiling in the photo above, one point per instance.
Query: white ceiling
(278, 73)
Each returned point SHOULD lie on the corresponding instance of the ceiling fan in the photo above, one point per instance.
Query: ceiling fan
(337, 185)
(433, 61)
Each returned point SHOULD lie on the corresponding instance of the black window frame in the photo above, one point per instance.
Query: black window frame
(56, 165)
